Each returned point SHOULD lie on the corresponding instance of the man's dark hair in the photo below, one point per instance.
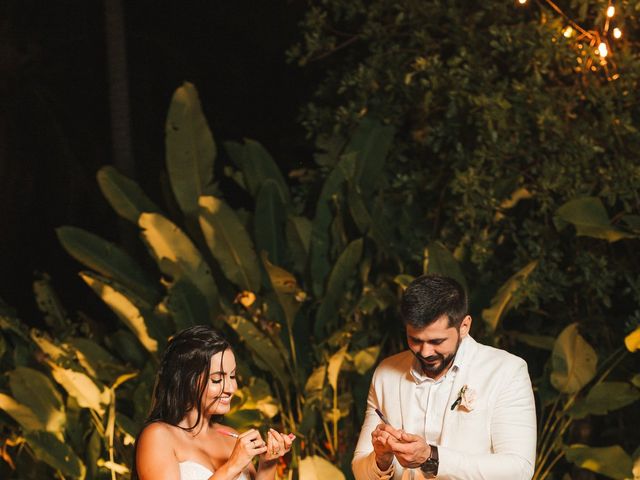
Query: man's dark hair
(429, 297)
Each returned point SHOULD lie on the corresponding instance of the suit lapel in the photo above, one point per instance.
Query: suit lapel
(461, 379)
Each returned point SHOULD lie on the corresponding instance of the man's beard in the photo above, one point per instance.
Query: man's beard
(437, 363)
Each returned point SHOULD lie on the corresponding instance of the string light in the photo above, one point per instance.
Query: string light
(592, 45)
(602, 49)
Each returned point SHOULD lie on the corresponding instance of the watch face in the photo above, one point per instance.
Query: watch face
(430, 466)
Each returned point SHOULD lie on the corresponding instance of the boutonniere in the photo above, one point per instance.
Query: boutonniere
(466, 398)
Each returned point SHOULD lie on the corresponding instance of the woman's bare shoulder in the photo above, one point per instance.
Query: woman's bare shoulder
(158, 432)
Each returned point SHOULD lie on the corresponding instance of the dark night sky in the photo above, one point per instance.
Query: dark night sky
(54, 120)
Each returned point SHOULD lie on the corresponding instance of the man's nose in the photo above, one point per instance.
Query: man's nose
(426, 350)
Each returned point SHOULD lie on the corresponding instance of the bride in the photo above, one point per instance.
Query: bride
(183, 438)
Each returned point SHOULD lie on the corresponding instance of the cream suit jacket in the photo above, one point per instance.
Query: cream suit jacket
(496, 440)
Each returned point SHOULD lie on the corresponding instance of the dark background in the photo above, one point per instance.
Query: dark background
(55, 119)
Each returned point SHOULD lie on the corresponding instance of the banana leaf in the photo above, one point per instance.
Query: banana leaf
(590, 219)
(269, 221)
(87, 392)
(124, 195)
(320, 263)
(191, 150)
(612, 461)
(298, 232)
(342, 271)
(177, 257)
(442, 262)
(229, 243)
(126, 310)
(23, 415)
(108, 260)
(35, 391)
(286, 288)
(257, 167)
(573, 361)
(186, 305)
(56, 454)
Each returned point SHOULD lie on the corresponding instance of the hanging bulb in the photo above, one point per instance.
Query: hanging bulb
(611, 11)
(602, 49)
(568, 32)
(522, 2)
(617, 33)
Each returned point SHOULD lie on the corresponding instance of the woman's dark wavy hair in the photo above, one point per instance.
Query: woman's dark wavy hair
(184, 369)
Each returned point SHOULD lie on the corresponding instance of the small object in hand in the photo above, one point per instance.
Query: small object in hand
(227, 433)
(382, 417)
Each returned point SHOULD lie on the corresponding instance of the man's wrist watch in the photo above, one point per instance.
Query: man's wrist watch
(430, 467)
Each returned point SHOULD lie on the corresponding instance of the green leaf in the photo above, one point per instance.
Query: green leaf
(107, 259)
(403, 280)
(334, 366)
(544, 342)
(573, 361)
(126, 310)
(257, 167)
(177, 257)
(315, 384)
(124, 195)
(440, 261)
(229, 243)
(320, 263)
(298, 232)
(286, 288)
(370, 143)
(82, 388)
(314, 467)
(366, 223)
(611, 461)
(269, 220)
(26, 418)
(590, 219)
(266, 353)
(96, 361)
(56, 454)
(244, 419)
(366, 358)
(343, 270)
(35, 391)
(604, 398)
(504, 300)
(186, 305)
(191, 150)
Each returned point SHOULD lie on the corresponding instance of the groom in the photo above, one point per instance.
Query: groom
(449, 407)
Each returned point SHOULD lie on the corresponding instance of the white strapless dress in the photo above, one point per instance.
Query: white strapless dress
(195, 471)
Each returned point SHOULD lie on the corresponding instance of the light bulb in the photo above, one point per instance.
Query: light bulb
(522, 2)
(568, 32)
(602, 49)
(617, 33)
(611, 11)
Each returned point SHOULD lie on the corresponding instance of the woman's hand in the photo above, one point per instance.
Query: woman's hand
(248, 445)
(278, 445)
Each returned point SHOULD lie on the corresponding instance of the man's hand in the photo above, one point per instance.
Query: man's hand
(380, 438)
(410, 450)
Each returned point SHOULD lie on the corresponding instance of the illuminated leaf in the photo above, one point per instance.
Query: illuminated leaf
(334, 366)
(176, 255)
(611, 461)
(35, 391)
(366, 358)
(286, 288)
(590, 219)
(124, 308)
(504, 300)
(314, 467)
(573, 361)
(82, 388)
(25, 417)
